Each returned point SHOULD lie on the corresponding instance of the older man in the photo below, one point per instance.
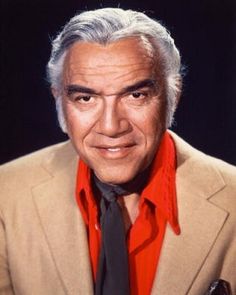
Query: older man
(124, 207)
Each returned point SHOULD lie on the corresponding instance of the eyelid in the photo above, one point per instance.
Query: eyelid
(77, 98)
(145, 89)
(76, 95)
(142, 91)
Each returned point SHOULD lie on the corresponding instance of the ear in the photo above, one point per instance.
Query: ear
(55, 92)
(179, 85)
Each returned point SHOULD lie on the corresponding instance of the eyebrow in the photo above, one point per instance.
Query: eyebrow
(140, 84)
(74, 88)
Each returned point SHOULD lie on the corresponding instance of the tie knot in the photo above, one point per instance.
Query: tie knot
(109, 195)
(109, 192)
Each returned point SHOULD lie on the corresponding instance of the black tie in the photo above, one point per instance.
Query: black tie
(113, 269)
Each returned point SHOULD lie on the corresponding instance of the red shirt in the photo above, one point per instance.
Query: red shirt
(157, 206)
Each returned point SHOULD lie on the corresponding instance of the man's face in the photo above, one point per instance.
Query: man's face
(115, 106)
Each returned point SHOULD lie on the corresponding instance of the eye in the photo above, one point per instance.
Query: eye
(138, 94)
(84, 99)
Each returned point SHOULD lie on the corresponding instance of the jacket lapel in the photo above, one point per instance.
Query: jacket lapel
(63, 225)
(200, 221)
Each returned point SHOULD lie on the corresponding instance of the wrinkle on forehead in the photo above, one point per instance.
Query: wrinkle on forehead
(111, 63)
(115, 72)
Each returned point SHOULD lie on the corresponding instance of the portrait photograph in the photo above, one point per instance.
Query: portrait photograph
(117, 154)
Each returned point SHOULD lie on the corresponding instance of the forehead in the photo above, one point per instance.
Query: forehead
(99, 65)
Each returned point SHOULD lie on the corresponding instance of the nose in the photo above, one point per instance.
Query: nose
(113, 121)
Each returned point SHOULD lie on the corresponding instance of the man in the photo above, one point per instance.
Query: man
(124, 207)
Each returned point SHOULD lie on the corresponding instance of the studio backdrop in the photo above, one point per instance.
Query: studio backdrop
(204, 32)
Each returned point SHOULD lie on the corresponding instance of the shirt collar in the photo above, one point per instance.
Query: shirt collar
(161, 187)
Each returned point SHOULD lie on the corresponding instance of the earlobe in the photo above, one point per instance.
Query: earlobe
(55, 92)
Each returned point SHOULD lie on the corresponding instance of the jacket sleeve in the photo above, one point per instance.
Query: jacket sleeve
(5, 279)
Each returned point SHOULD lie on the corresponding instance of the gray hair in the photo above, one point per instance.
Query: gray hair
(108, 25)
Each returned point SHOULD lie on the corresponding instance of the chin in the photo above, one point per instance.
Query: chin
(115, 177)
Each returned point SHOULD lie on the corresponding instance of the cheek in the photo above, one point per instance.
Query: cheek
(78, 123)
(150, 121)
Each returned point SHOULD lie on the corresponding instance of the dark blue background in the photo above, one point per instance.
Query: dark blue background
(204, 31)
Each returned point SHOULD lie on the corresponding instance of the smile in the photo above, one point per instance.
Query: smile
(115, 152)
(114, 149)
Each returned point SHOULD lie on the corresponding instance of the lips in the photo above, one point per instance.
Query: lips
(116, 147)
(115, 151)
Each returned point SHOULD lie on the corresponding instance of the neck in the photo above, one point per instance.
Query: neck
(129, 197)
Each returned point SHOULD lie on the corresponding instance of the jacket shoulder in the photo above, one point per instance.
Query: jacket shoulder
(227, 170)
(209, 176)
(23, 173)
(28, 161)
(185, 153)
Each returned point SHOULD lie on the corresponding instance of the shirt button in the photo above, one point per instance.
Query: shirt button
(96, 226)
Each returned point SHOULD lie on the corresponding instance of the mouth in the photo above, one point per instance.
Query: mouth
(115, 152)
(115, 149)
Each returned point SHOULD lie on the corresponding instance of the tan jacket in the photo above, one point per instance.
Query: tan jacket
(43, 242)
